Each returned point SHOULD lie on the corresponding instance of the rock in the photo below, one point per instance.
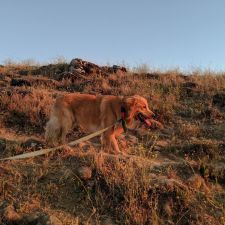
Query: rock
(85, 172)
(54, 221)
(117, 68)
(85, 146)
(107, 221)
(79, 70)
(41, 219)
(23, 72)
(201, 149)
(153, 76)
(188, 89)
(20, 82)
(219, 99)
(76, 63)
(185, 77)
(197, 182)
(132, 139)
(168, 207)
(2, 145)
(162, 143)
(11, 215)
(189, 85)
(51, 70)
(83, 67)
(32, 143)
(31, 219)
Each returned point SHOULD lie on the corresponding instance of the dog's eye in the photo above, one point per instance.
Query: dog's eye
(144, 107)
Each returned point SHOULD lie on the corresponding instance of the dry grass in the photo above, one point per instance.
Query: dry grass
(175, 176)
(27, 106)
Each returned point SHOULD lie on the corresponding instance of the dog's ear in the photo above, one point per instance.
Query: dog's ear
(128, 105)
(129, 101)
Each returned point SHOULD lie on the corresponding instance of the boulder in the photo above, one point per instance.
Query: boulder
(153, 76)
(83, 67)
(32, 144)
(9, 213)
(23, 72)
(85, 172)
(117, 68)
(41, 219)
(219, 99)
(2, 145)
(20, 82)
(189, 85)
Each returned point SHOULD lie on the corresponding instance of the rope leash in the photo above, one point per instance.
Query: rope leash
(71, 144)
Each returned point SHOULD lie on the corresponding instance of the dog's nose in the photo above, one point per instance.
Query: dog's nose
(152, 113)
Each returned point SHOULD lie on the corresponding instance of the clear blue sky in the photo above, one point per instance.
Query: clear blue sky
(161, 33)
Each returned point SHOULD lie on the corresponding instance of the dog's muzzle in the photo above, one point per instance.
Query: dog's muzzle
(143, 119)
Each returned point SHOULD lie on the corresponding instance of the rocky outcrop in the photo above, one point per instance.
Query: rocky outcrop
(79, 69)
(219, 99)
(20, 82)
(83, 67)
(76, 69)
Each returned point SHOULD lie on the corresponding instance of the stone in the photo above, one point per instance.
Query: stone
(153, 76)
(85, 172)
(107, 221)
(84, 67)
(32, 143)
(197, 182)
(41, 219)
(162, 143)
(132, 139)
(189, 85)
(20, 82)
(219, 99)
(11, 215)
(53, 220)
(117, 68)
(2, 145)
(188, 89)
(23, 72)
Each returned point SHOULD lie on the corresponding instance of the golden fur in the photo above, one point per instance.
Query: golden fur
(93, 113)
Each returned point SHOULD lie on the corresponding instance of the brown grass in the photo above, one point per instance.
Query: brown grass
(174, 176)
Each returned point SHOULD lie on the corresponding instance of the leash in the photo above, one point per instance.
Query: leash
(71, 144)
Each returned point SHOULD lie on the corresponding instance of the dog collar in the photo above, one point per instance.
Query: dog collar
(123, 116)
(123, 112)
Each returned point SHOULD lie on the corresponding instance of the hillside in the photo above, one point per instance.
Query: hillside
(171, 176)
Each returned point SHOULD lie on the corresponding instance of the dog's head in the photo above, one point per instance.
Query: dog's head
(138, 113)
(137, 107)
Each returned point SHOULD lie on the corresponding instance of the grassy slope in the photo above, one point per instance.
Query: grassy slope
(175, 176)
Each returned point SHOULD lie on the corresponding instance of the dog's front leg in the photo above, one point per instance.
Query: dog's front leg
(109, 143)
(114, 144)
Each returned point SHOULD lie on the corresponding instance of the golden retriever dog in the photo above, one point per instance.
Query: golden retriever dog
(93, 113)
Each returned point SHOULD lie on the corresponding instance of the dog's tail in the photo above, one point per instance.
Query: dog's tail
(53, 130)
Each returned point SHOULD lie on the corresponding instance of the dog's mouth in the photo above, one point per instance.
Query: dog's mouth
(149, 122)
(143, 119)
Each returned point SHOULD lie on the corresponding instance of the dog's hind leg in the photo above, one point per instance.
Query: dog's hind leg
(53, 130)
(67, 121)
